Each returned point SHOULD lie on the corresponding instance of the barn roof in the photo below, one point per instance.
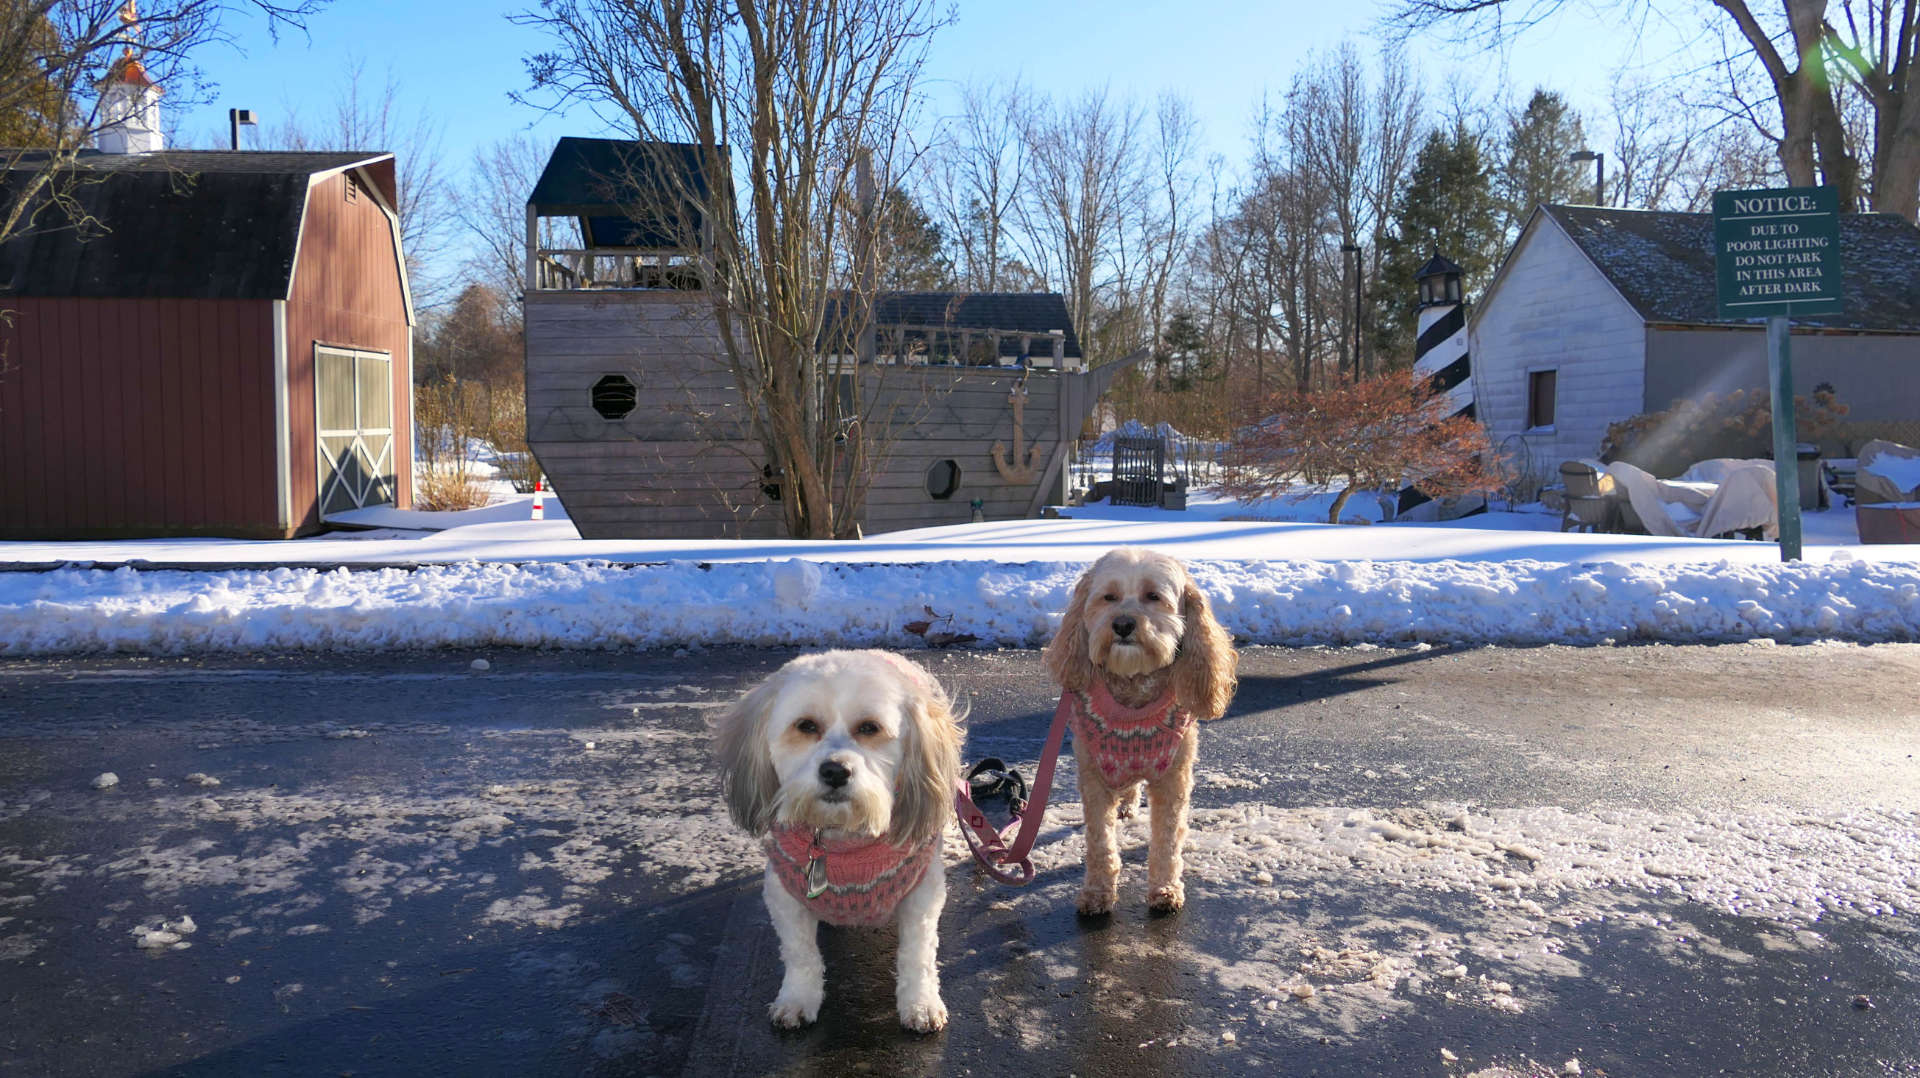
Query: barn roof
(1662, 264)
(606, 182)
(177, 224)
(1037, 313)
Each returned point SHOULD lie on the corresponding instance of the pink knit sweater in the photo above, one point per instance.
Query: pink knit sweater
(866, 878)
(1127, 744)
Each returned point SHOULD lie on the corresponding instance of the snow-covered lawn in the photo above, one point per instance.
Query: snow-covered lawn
(494, 577)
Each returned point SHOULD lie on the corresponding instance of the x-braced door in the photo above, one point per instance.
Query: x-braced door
(353, 394)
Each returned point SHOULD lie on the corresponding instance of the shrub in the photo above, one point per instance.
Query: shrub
(1378, 434)
(446, 492)
(1737, 424)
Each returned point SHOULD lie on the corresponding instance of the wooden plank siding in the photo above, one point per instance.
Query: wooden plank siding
(346, 293)
(683, 464)
(123, 417)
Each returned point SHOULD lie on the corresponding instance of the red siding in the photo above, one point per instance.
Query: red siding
(346, 292)
(114, 421)
(156, 416)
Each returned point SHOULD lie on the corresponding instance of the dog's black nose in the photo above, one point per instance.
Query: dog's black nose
(1123, 626)
(834, 773)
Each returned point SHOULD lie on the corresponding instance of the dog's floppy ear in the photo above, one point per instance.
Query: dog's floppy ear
(930, 760)
(747, 776)
(1066, 657)
(1206, 670)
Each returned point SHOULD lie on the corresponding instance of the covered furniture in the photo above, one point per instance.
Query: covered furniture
(1887, 493)
(1713, 498)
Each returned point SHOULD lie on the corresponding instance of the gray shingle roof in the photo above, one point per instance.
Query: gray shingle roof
(191, 224)
(1663, 264)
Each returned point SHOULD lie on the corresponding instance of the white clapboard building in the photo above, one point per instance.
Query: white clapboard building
(1597, 315)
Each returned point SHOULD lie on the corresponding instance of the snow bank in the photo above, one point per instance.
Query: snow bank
(805, 603)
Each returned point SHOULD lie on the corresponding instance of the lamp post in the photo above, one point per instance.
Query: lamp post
(1354, 249)
(1599, 172)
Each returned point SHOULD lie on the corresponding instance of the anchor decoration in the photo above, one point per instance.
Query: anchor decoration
(1025, 467)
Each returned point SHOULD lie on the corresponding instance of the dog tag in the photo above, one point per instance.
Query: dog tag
(816, 877)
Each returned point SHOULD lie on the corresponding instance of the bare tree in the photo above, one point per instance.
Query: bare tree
(1357, 141)
(491, 209)
(1807, 53)
(778, 102)
(1668, 154)
(1080, 204)
(1166, 224)
(974, 181)
(366, 117)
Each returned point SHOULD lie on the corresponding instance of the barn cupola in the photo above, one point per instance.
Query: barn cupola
(129, 101)
(129, 110)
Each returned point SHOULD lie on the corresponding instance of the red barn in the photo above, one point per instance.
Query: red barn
(223, 347)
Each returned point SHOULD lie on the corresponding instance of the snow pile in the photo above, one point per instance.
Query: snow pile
(790, 602)
(1903, 472)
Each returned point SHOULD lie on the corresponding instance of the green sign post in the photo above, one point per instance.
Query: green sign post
(1776, 255)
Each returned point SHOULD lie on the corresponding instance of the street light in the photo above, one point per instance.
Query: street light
(1354, 249)
(1599, 172)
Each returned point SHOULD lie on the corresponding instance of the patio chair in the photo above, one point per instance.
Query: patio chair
(1592, 501)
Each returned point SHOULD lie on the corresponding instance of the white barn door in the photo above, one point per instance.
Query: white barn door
(353, 396)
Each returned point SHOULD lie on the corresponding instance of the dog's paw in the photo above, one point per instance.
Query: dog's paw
(791, 1013)
(1167, 899)
(923, 1015)
(1130, 803)
(1095, 901)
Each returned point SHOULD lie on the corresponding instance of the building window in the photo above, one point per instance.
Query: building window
(1541, 386)
(614, 396)
(943, 480)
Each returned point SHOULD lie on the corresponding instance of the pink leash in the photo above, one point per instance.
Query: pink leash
(1004, 853)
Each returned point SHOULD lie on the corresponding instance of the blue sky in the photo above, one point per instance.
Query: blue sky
(458, 63)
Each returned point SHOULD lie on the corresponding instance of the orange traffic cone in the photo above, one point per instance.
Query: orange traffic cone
(540, 498)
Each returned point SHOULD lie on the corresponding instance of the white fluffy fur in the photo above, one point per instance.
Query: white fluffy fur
(1173, 639)
(892, 726)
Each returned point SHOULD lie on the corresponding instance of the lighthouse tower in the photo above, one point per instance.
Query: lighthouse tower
(1440, 347)
(1440, 356)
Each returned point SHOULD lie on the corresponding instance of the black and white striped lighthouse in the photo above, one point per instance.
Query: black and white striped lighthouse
(1440, 346)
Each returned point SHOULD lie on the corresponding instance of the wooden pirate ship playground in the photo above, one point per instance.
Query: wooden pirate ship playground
(969, 403)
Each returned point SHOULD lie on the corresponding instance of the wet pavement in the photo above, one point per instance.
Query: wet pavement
(1651, 861)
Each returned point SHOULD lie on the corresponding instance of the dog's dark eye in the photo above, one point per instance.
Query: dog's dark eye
(1111, 597)
(807, 726)
(867, 728)
(1153, 597)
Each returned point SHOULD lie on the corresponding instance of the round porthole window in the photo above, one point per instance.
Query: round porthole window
(943, 480)
(614, 396)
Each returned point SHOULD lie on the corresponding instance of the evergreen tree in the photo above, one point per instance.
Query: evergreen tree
(911, 246)
(1447, 206)
(1183, 358)
(1540, 139)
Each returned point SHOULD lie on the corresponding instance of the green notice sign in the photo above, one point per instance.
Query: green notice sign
(1777, 252)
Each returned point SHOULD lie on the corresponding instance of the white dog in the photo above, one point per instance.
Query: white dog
(845, 763)
(1143, 659)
